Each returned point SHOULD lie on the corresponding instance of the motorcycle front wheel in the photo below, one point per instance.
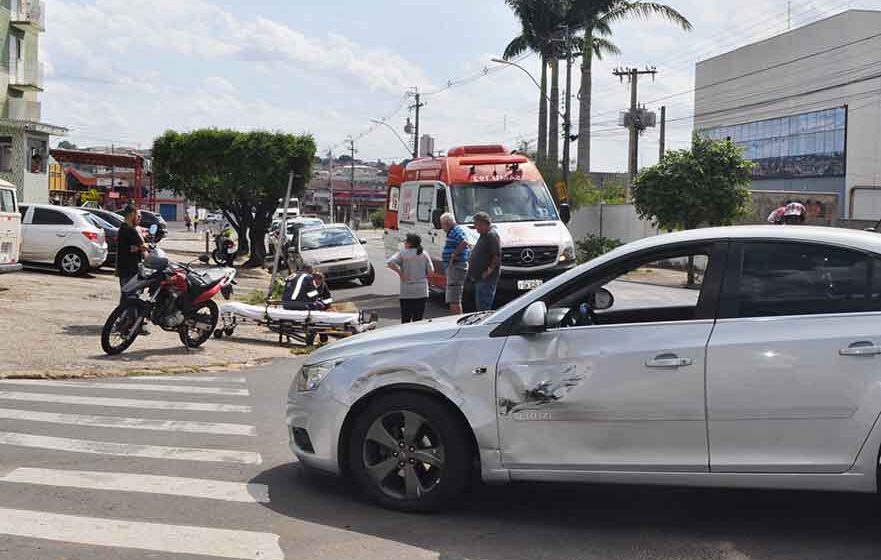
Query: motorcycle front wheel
(199, 324)
(218, 257)
(121, 328)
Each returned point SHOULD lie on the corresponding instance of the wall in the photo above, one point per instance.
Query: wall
(615, 221)
(780, 76)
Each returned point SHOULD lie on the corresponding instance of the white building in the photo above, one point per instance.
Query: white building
(806, 105)
(426, 146)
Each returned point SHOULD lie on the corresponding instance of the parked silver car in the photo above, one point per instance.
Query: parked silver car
(740, 357)
(334, 250)
(62, 236)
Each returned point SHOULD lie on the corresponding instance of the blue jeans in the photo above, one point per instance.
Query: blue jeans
(485, 294)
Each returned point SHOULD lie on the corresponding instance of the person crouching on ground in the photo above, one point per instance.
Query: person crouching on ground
(306, 290)
(413, 266)
(455, 256)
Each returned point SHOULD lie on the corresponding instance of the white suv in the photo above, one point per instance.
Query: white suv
(62, 236)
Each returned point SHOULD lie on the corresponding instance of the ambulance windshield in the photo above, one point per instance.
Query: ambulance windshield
(514, 201)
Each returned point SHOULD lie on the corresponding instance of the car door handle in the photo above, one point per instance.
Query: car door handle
(671, 361)
(862, 348)
(60, 235)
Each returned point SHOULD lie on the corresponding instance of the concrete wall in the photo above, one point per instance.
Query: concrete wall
(781, 75)
(615, 221)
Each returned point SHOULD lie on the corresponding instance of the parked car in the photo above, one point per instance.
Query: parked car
(293, 226)
(62, 236)
(148, 219)
(111, 233)
(738, 357)
(112, 218)
(333, 250)
(10, 229)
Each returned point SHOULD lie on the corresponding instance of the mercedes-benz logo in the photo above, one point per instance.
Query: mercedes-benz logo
(527, 255)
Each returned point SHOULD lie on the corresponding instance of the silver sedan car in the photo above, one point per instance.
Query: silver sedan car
(737, 357)
(333, 250)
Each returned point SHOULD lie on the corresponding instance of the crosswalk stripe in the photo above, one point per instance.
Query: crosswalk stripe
(130, 449)
(143, 483)
(187, 378)
(131, 387)
(122, 403)
(220, 428)
(173, 539)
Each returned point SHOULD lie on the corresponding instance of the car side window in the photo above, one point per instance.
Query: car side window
(780, 279)
(45, 216)
(647, 289)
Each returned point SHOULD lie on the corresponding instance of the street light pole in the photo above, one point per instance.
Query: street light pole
(395, 132)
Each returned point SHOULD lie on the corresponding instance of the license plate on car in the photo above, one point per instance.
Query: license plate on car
(529, 284)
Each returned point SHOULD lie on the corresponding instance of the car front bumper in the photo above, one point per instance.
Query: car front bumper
(351, 270)
(314, 420)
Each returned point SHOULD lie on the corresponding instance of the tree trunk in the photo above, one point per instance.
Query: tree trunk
(584, 97)
(554, 124)
(257, 234)
(543, 114)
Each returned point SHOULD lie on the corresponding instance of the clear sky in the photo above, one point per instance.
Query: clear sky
(123, 71)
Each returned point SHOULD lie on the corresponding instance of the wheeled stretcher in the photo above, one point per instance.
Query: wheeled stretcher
(302, 326)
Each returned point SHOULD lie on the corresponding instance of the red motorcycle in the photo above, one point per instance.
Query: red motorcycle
(173, 297)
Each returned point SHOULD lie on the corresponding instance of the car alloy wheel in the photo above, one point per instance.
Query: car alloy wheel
(403, 455)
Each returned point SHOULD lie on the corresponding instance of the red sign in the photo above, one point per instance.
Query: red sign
(113, 195)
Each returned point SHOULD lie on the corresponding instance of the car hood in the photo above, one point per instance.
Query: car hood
(388, 339)
(333, 254)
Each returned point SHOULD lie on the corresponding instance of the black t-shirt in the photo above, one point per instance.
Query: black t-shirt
(126, 261)
(488, 246)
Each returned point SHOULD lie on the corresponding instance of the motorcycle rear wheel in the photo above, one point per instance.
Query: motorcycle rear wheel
(199, 325)
(121, 329)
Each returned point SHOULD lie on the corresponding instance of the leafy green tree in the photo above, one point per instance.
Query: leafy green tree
(596, 17)
(707, 185)
(244, 174)
(582, 192)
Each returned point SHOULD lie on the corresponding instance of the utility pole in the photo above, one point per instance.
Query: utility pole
(567, 115)
(663, 136)
(634, 119)
(330, 180)
(418, 105)
(352, 151)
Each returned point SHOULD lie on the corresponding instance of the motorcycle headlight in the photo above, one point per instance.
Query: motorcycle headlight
(310, 377)
(568, 252)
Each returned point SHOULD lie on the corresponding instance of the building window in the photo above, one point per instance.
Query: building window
(36, 155)
(806, 145)
(5, 153)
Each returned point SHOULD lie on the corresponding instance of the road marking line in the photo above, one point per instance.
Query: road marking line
(173, 539)
(208, 378)
(130, 449)
(131, 387)
(122, 403)
(143, 483)
(220, 428)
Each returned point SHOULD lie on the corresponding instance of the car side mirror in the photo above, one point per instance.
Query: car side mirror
(436, 218)
(153, 229)
(601, 300)
(363, 241)
(204, 258)
(565, 212)
(535, 317)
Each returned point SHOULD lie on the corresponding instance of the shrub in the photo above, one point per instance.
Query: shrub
(377, 218)
(593, 246)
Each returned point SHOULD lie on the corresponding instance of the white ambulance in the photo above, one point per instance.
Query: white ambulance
(10, 228)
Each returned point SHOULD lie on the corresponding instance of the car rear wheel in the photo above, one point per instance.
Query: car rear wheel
(72, 262)
(407, 451)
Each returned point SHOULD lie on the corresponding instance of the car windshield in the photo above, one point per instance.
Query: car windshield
(326, 237)
(516, 201)
(303, 223)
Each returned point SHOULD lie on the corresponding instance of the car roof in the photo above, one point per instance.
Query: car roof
(66, 209)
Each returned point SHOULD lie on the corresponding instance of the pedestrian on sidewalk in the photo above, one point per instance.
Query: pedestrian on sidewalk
(188, 221)
(455, 257)
(412, 265)
(130, 248)
(485, 265)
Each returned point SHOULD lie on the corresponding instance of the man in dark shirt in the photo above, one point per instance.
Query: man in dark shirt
(131, 247)
(484, 267)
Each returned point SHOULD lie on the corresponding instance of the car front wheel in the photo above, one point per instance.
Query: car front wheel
(409, 452)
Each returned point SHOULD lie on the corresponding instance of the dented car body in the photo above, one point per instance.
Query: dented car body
(743, 356)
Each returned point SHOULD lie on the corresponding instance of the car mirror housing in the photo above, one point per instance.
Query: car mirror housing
(535, 317)
(565, 212)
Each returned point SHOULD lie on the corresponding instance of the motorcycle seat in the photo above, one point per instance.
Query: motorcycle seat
(208, 278)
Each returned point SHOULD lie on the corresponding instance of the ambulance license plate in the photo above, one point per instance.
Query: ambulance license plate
(529, 284)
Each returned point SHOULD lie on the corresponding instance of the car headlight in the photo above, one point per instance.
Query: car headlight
(568, 252)
(310, 377)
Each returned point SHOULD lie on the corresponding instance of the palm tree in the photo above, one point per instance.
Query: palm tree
(539, 20)
(596, 18)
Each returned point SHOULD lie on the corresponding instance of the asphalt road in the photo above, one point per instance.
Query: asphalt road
(76, 482)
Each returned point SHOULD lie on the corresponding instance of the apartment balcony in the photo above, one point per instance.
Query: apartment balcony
(22, 110)
(26, 77)
(29, 14)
